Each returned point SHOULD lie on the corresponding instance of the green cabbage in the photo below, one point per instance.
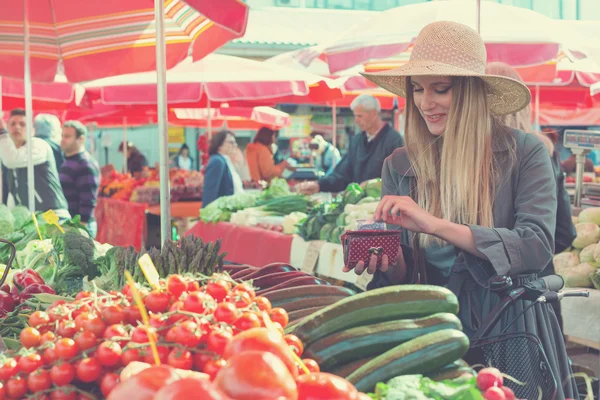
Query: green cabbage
(587, 233)
(7, 221)
(591, 215)
(22, 216)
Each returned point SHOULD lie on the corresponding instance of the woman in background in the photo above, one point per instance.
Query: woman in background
(135, 159)
(183, 159)
(259, 155)
(220, 175)
(565, 230)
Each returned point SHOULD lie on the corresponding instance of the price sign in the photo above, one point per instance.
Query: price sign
(51, 218)
(149, 270)
(312, 256)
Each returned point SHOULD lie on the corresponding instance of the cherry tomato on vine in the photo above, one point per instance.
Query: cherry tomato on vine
(247, 321)
(295, 343)
(48, 337)
(218, 289)
(157, 301)
(197, 302)
(39, 381)
(108, 382)
(217, 340)
(30, 337)
(113, 314)
(9, 369)
(62, 374)
(279, 315)
(88, 370)
(16, 387)
(226, 312)
(108, 354)
(66, 329)
(130, 355)
(30, 363)
(176, 285)
(85, 340)
(263, 303)
(244, 287)
(65, 349)
(180, 358)
(38, 318)
(212, 367)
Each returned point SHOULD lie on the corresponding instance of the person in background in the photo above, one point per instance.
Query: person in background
(327, 155)
(47, 127)
(220, 175)
(278, 156)
(13, 153)
(135, 159)
(183, 159)
(564, 233)
(259, 156)
(79, 175)
(241, 166)
(366, 151)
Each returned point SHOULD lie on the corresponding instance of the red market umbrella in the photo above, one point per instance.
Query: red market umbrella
(46, 96)
(235, 118)
(95, 39)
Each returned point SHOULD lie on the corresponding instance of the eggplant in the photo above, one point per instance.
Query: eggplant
(271, 269)
(283, 296)
(296, 316)
(270, 280)
(301, 281)
(241, 275)
(311, 302)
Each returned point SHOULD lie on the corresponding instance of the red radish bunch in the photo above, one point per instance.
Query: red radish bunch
(491, 382)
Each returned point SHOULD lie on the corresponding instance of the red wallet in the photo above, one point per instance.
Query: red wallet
(360, 245)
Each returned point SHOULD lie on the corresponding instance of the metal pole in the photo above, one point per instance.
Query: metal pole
(208, 119)
(125, 145)
(537, 108)
(579, 168)
(334, 127)
(28, 111)
(163, 138)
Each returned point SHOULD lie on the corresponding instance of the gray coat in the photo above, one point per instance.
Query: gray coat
(521, 242)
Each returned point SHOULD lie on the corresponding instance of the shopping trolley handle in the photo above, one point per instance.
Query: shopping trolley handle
(557, 296)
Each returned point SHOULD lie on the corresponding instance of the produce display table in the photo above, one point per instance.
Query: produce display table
(183, 209)
(581, 318)
(121, 223)
(246, 245)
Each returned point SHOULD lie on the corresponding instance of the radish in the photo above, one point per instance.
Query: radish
(508, 393)
(494, 393)
(489, 377)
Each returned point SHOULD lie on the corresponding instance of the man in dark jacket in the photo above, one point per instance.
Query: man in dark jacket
(366, 153)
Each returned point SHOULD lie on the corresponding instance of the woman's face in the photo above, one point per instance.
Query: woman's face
(433, 97)
(185, 152)
(228, 146)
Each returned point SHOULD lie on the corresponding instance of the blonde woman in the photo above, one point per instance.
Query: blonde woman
(475, 198)
(565, 230)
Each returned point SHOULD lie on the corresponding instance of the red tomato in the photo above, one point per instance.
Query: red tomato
(109, 354)
(158, 321)
(108, 383)
(38, 318)
(255, 375)
(145, 384)
(49, 355)
(324, 386)
(157, 301)
(212, 367)
(263, 304)
(57, 312)
(197, 302)
(218, 289)
(280, 316)
(63, 394)
(30, 337)
(226, 312)
(489, 377)
(132, 315)
(163, 355)
(217, 340)
(90, 322)
(30, 363)
(113, 314)
(39, 381)
(295, 344)
(177, 306)
(130, 355)
(176, 285)
(8, 369)
(240, 299)
(311, 365)
(188, 334)
(86, 340)
(16, 387)
(62, 374)
(508, 393)
(244, 287)
(247, 321)
(262, 339)
(183, 388)
(141, 334)
(66, 329)
(200, 359)
(88, 370)
(192, 286)
(181, 359)
(48, 337)
(115, 331)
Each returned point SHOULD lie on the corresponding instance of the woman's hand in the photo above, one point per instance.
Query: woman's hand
(404, 212)
(396, 273)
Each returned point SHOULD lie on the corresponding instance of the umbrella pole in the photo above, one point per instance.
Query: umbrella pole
(537, 109)
(28, 111)
(163, 143)
(209, 119)
(334, 126)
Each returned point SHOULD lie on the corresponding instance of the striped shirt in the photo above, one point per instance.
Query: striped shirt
(80, 179)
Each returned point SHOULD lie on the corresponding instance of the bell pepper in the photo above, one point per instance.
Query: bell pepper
(35, 288)
(26, 278)
(7, 303)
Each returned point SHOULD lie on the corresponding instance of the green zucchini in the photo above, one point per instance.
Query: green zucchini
(373, 340)
(379, 305)
(424, 354)
(347, 369)
(311, 302)
(452, 371)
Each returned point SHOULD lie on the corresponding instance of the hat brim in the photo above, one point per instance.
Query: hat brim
(505, 95)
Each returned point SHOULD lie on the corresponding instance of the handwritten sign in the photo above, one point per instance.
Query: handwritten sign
(312, 256)
(149, 270)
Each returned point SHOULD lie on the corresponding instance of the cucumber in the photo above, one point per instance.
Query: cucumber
(379, 305)
(373, 340)
(424, 354)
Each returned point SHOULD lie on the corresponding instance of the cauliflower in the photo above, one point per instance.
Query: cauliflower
(7, 221)
(587, 233)
(291, 221)
(579, 276)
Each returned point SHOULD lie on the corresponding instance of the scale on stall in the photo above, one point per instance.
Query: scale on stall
(581, 143)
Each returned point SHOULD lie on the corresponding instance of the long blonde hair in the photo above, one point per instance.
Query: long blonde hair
(522, 119)
(457, 172)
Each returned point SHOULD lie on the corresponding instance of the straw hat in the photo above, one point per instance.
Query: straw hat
(446, 48)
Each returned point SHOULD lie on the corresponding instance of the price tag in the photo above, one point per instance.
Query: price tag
(138, 301)
(149, 270)
(52, 219)
(312, 256)
(363, 280)
(37, 227)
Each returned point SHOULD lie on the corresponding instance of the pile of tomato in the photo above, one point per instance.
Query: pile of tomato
(77, 350)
